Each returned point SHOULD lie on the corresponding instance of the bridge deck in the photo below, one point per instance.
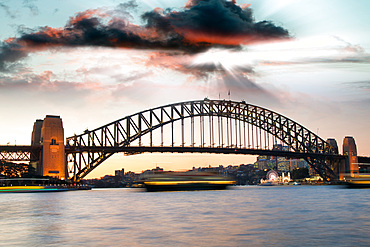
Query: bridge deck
(216, 150)
(19, 148)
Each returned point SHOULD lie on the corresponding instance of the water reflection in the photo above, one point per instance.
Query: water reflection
(259, 216)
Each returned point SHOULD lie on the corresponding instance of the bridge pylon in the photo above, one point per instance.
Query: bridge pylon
(350, 164)
(49, 133)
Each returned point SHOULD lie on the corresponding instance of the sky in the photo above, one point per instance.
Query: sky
(93, 62)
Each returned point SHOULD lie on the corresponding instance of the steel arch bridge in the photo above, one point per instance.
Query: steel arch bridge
(202, 126)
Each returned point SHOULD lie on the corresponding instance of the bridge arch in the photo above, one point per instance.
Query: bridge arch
(224, 127)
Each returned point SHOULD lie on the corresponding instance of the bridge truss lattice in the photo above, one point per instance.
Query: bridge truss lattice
(19, 153)
(211, 126)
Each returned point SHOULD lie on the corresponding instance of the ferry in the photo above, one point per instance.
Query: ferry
(185, 181)
(268, 183)
(360, 181)
(40, 188)
(30, 185)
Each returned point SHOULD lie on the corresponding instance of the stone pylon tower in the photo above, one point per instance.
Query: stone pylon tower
(334, 144)
(36, 132)
(50, 134)
(36, 141)
(351, 163)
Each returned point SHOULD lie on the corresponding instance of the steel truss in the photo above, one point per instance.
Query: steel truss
(203, 125)
(19, 153)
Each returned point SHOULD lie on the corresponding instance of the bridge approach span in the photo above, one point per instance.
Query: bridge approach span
(19, 153)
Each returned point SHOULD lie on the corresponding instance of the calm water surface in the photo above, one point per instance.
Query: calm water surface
(243, 216)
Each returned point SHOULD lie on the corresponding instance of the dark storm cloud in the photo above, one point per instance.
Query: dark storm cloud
(201, 25)
(213, 22)
(220, 17)
(10, 53)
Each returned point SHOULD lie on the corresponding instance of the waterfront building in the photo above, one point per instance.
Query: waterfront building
(279, 163)
(119, 173)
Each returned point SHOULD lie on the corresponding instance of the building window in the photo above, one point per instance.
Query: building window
(53, 142)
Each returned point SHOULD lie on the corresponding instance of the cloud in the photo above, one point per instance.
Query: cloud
(181, 62)
(186, 64)
(7, 10)
(215, 22)
(44, 82)
(199, 26)
(362, 85)
(31, 6)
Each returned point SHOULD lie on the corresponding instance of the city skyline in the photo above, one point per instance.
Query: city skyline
(310, 63)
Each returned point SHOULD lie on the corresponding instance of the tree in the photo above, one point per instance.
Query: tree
(300, 173)
(10, 169)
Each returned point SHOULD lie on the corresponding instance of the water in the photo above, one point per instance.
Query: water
(243, 216)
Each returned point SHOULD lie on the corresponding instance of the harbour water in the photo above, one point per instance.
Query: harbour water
(241, 216)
